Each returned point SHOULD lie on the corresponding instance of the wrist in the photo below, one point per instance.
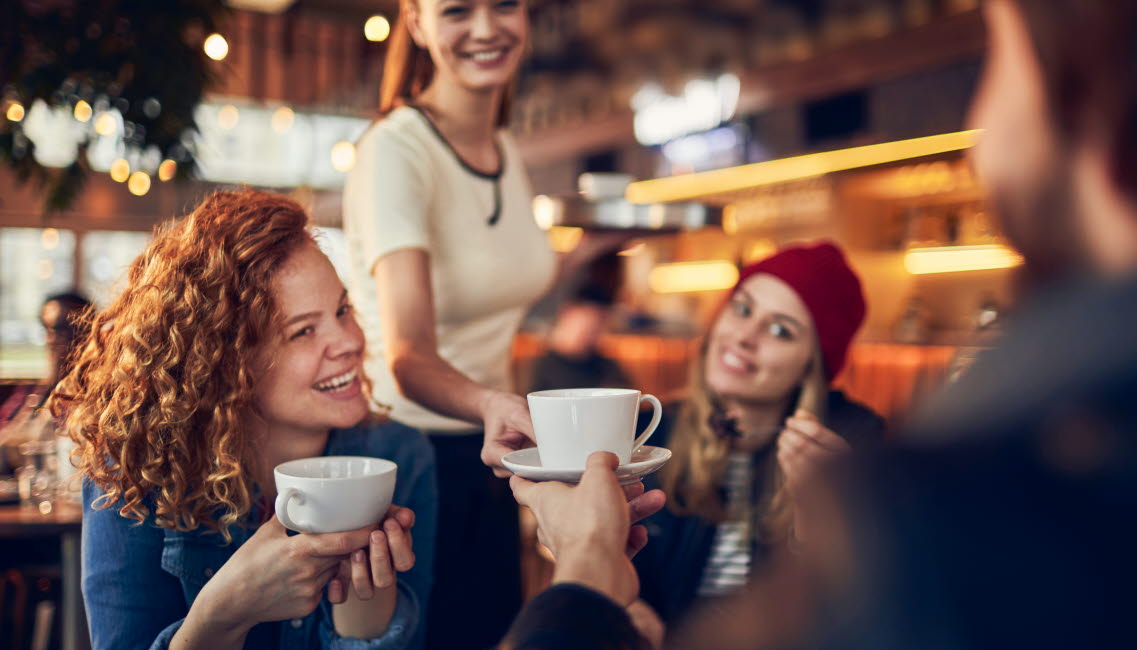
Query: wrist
(217, 611)
(213, 624)
(486, 402)
(599, 573)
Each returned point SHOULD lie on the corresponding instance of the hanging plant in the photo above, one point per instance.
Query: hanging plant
(76, 74)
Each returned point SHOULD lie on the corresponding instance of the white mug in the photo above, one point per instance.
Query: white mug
(572, 423)
(333, 494)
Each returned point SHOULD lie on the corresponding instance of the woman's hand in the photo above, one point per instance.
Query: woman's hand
(390, 552)
(365, 593)
(508, 428)
(272, 577)
(804, 446)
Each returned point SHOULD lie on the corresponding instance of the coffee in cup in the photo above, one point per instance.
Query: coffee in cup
(572, 423)
(333, 494)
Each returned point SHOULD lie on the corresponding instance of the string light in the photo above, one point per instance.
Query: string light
(216, 47)
(228, 116)
(120, 170)
(377, 29)
(106, 124)
(343, 156)
(282, 119)
(139, 183)
(15, 112)
(167, 170)
(83, 111)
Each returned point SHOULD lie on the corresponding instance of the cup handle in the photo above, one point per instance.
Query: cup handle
(655, 417)
(282, 500)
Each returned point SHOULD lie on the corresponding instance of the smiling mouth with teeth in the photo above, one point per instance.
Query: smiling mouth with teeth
(484, 57)
(337, 383)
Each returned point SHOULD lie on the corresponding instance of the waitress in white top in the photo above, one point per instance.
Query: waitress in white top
(446, 260)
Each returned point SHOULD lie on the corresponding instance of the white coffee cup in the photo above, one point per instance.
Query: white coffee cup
(571, 423)
(333, 494)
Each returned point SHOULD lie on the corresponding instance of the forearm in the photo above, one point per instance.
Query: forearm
(365, 619)
(204, 628)
(427, 379)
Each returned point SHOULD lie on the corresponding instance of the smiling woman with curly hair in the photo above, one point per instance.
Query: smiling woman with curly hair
(233, 348)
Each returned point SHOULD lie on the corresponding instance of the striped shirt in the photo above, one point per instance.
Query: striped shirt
(728, 566)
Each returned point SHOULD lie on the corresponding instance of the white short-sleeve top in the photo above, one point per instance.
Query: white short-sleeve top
(488, 259)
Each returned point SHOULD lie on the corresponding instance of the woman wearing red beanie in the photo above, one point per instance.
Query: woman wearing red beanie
(758, 418)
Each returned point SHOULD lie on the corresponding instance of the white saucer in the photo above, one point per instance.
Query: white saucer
(526, 463)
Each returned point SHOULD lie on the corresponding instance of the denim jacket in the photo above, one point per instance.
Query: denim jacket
(140, 580)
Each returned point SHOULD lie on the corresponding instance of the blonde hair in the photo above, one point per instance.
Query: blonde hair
(159, 399)
(693, 478)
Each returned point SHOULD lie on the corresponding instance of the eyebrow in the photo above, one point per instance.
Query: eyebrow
(777, 315)
(311, 314)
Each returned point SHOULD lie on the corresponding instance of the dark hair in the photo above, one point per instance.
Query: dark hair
(408, 70)
(1087, 50)
(69, 299)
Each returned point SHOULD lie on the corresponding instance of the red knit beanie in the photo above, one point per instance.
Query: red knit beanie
(831, 291)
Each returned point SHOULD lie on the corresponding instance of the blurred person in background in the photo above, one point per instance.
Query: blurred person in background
(20, 416)
(1005, 517)
(758, 417)
(446, 260)
(573, 358)
(232, 349)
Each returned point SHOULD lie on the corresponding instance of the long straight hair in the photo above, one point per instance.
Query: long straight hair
(408, 70)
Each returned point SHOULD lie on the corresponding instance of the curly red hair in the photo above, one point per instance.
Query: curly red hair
(158, 399)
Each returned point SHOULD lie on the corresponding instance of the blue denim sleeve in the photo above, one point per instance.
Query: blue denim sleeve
(131, 602)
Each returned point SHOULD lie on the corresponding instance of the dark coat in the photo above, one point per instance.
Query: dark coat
(671, 566)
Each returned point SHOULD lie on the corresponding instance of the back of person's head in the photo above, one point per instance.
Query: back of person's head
(158, 398)
(409, 69)
(62, 316)
(1087, 52)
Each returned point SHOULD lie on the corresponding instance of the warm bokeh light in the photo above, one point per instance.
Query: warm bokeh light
(83, 111)
(730, 220)
(702, 185)
(46, 269)
(953, 259)
(167, 170)
(228, 116)
(139, 183)
(634, 249)
(692, 276)
(564, 238)
(49, 239)
(282, 119)
(106, 124)
(15, 112)
(120, 170)
(377, 29)
(343, 156)
(544, 211)
(216, 47)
